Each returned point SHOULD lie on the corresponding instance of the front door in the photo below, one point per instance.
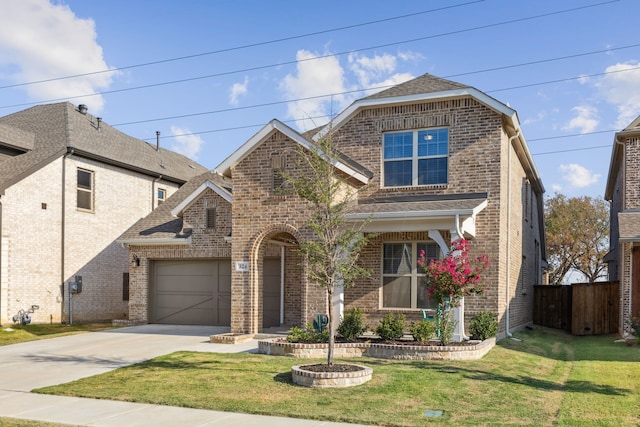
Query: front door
(271, 294)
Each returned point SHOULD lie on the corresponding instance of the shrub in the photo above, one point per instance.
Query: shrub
(483, 325)
(352, 325)
(633, 325)
(423, 330)
(308, 334)
(391, 327)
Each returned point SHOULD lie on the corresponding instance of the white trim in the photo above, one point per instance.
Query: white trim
(156, 242)
(454, 93)
(177, 211)
(245, 149)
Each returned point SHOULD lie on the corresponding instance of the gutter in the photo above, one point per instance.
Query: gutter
(63, 204)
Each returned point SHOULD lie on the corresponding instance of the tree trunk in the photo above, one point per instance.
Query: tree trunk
(331, 329)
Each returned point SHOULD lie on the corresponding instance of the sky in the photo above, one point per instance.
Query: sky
(209, 74)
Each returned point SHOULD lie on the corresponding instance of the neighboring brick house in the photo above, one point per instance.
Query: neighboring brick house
(69, 186)
(623, 192)
(434, 160)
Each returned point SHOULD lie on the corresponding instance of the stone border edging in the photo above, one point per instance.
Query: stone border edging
(330, 379)
(279, 347)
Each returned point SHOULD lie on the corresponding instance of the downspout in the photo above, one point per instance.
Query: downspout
(458, 230)
(508, 314)
(68, 154)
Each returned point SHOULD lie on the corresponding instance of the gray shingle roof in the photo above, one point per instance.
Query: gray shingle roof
(161, 224)
(429, 203)
(423, 84)
(629, 225)
(59, 127)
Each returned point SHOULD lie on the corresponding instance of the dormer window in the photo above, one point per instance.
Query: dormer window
(419, 157)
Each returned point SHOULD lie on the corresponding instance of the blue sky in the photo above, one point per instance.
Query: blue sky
(209, 74)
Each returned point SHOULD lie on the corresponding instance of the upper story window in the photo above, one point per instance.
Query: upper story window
(403, 282)
(419, 157)
(85, 190)
(162, 195)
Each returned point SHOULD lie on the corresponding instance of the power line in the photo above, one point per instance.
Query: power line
(331, 55)
(572, 149)
(231, 49)
(357, 90)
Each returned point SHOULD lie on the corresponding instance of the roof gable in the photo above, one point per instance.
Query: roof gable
(345, 165)
(191, 198)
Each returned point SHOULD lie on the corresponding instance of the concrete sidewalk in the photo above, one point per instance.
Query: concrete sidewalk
(108, 413)
(35, 364)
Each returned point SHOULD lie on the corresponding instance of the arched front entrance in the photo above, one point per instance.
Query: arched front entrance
(277, 281)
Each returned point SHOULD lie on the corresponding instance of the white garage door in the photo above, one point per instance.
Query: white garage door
(191, 292)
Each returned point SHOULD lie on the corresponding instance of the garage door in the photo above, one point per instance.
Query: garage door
(191, 292)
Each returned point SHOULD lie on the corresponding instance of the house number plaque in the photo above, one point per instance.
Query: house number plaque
(242, 266)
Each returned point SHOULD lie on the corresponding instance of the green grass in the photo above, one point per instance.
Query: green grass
(548, 378)
(16, 334)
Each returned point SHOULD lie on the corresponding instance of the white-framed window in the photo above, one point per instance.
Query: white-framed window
(85, 186)
(419, 157)
(161, 196)
(403, 281)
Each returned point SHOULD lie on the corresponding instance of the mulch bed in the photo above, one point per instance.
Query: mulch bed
(336, 367)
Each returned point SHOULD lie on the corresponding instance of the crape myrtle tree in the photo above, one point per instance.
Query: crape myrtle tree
(332, 253)
(577, 235)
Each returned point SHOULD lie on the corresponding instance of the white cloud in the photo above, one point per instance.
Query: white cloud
(557, 188)
(373, 72)
(314, 77)
(586, 120)
(237, 90)
(578, 176)
(186, 144)
(40, 40)
(621, 87)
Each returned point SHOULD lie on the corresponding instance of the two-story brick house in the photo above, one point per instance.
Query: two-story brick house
(623, 193)
(434, 160)
(70, 184)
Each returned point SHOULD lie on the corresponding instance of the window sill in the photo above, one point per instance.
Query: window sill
(416, 187)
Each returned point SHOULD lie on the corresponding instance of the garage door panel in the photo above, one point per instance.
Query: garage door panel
(192, 292)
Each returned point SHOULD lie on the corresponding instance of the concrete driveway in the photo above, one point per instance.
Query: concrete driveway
(35, 364)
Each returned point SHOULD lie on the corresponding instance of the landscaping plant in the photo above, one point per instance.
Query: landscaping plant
(451, 279)
(352, 325)
(423, 330)
(391, 327)
(308, 334)
(332, 253)
(483, 325)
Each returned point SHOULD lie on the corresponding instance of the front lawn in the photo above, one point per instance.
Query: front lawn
(547, 378)
(16, 334)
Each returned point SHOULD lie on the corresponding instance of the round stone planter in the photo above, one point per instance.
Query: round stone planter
(309, 378)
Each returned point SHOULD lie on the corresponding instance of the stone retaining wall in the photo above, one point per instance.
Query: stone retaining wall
(279, 347)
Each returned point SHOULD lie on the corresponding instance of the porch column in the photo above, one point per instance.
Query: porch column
(458, 312)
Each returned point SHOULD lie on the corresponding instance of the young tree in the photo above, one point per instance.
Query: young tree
(332, 255)
(577, 234)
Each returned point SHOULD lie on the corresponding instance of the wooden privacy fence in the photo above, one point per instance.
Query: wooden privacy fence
(581, 308)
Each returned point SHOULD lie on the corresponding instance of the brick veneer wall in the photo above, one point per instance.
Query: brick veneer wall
(32, 247)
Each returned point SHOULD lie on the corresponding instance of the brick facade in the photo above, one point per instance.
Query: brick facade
(487, 162)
